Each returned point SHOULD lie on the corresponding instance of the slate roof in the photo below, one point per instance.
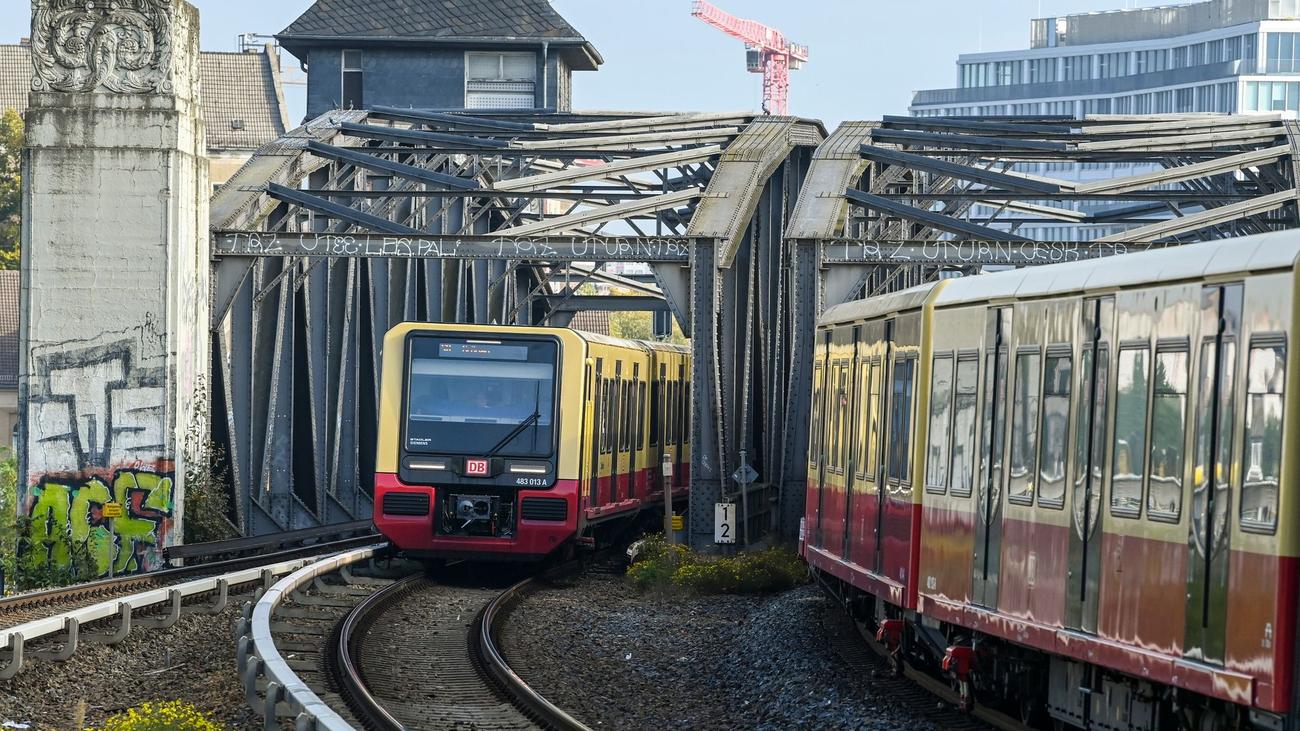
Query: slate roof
(9, 287)
(236, 87)
(15, 77)
(241, 90)
(435, 21)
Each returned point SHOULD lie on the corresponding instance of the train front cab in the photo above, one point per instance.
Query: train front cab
(456, 479)
(478, 440)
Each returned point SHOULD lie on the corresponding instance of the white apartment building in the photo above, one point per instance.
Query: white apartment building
(1226, 56)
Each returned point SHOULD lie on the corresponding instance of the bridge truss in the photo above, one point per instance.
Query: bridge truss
(751, 226)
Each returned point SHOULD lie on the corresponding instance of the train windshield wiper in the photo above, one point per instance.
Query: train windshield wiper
(531, 420)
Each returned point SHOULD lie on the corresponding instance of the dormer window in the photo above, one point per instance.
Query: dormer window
(500, 80)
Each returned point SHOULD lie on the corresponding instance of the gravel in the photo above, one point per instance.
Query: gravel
(617, 659)
(193, 661)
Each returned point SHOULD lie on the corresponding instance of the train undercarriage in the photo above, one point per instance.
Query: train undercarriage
(1038, 689)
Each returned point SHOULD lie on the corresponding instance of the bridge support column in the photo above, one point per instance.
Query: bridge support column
(707, 450)
(114, 279)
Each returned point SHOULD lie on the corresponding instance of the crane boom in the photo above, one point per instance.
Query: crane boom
(777, 56)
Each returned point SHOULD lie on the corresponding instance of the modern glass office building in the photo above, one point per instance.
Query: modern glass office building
(1227, 56)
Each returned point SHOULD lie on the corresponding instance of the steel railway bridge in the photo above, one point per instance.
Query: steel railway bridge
(751, 225)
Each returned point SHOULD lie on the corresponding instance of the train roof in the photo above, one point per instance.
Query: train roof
(908, 299)
(623, 343)
(1263, 252)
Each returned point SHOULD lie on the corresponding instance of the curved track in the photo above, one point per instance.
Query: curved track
(438, 637)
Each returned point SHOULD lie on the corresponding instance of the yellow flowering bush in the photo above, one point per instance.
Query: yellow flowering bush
(757, 572)
(169, 716)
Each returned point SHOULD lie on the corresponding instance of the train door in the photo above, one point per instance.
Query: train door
(589, 462)
(1096, 327)
(600, 393)
(855, 421)
(988, 505)
(618, 489)
(883, 405)
(636, 420)
(1208, 535)
(821, 387)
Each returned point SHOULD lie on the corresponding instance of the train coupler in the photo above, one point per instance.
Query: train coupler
(959, 661)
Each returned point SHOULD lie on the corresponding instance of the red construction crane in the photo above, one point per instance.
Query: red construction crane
(768, 53)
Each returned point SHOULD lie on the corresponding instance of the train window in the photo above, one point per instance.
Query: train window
(1127, 464)
(611, 417)
(875, 417)
(640, 415)
(1265, 388)
(936, 462)
(467, 395)
(1057, 379)
(1168, 429)
(656, 403)
(1090, 431)
(602, 415)
(840, 407)
(870, 394)
(1024, 426)
(963, 437)
(900, 421)
(815, 433)
(629, 413)
(686, 409)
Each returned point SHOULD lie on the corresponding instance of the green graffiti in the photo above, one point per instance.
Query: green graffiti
(67, 514)
(49, 517)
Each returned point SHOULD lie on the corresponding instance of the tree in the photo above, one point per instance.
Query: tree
(11, 188)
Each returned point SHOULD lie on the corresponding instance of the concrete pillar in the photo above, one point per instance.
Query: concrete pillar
(115, 268)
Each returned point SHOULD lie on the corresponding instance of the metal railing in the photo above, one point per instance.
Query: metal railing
(66, 627)
(257, 657)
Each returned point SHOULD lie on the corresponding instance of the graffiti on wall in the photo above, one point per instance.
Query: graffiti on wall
(67, 513)
(97, 432)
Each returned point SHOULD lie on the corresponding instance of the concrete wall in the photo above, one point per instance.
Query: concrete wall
(413, 77)
(115, 280)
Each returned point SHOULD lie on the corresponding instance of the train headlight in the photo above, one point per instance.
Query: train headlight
(529, 468)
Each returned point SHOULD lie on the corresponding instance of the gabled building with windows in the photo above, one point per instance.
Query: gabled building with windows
(437, 54)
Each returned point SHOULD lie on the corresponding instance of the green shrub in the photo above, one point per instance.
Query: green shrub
(758, 572)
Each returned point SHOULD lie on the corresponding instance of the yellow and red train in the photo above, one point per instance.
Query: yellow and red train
(1074, 486)
(513, 442)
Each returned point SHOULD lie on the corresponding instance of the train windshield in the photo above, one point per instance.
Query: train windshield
(469, 397)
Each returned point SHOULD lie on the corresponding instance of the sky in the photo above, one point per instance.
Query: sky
(867, 56)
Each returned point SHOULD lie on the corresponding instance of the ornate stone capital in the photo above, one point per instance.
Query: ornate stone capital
(120, 46)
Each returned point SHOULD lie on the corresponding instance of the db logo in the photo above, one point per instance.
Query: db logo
(476, 467)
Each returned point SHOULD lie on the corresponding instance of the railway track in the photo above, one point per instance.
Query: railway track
(335, 647)
(29, 607)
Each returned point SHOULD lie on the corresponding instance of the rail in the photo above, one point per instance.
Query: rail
(14, 640)
(278, 541)
(349, 675)
(258, 657)
(547, 714)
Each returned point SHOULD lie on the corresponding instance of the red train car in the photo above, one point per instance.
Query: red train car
(512, 443)
(1072, 488)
